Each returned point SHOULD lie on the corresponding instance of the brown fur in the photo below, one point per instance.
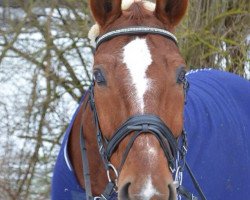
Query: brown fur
(112, 101)
(105, 11)
(171, 11)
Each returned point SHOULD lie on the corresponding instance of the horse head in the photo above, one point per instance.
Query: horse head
(139, 77)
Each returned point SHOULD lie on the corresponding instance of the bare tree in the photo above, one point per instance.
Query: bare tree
(214, 35)
(47, 58)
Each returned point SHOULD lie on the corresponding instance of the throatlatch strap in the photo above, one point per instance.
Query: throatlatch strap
(85, 163)
(109, 190)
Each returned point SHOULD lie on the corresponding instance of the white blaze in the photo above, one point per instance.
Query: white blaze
(137, 57)
(148, 191)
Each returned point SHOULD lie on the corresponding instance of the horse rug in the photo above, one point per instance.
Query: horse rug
(217, 122)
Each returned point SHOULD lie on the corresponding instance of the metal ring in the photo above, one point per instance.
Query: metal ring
(178, 175)
(115, 171)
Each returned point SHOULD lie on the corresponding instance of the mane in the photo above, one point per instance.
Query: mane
(126, 4)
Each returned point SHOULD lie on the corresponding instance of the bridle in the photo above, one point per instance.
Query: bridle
(135, 31)
(174, 150)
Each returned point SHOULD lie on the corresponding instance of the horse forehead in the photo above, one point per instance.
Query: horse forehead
(104, 58)
(137, 55)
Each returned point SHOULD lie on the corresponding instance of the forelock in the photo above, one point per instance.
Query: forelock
(95, 29)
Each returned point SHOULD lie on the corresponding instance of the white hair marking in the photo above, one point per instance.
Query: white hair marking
(148, 190)
(137, 57)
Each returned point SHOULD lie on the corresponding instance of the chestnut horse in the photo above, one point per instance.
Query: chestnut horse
(127, 136)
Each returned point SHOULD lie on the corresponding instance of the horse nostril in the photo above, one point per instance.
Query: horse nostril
(172, 191)
(124, 193)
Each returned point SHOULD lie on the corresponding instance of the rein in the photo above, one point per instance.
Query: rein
(174, 150)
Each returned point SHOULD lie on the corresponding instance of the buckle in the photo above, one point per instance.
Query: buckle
(178, 176)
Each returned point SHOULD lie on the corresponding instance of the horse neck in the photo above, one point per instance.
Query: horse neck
(97, 172)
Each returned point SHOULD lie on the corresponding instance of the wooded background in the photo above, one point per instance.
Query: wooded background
(45, 66)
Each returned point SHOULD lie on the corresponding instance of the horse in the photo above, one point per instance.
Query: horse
(128, 136)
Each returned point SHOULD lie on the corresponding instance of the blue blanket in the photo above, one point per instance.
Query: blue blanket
(64, 183)
(217, 120)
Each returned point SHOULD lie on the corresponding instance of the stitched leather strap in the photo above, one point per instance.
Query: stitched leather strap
(135, 30)
(109, 190)
(85, 163)
(145, 124)
(195, 182)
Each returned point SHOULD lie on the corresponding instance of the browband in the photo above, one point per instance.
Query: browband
(135, 30)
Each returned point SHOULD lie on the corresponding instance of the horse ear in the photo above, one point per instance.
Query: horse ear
(105, 11)
(171, 11)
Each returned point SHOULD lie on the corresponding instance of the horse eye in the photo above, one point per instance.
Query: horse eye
(181, 75)
(99, 77)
